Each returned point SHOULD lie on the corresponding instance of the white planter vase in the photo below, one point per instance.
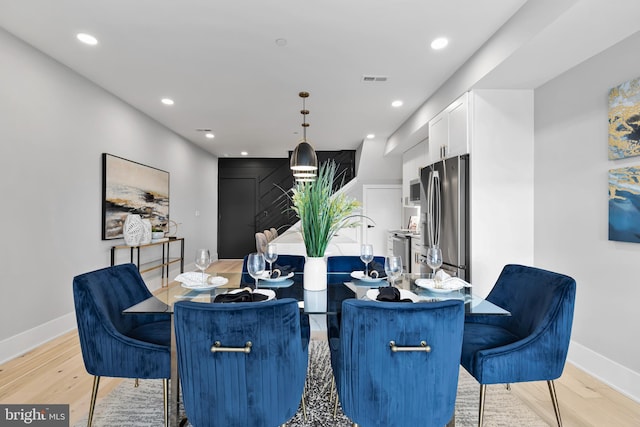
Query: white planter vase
(132, 230)
(315, 274)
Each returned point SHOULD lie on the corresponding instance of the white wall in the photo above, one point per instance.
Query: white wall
(571, 214)
(501, 183)
(54, 126)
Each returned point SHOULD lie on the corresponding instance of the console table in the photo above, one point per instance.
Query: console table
(162, 263)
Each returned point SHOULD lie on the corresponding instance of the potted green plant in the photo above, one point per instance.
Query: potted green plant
(157, 233)
(322, 213)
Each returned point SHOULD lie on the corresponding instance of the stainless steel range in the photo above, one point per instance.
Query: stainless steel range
(401, 241)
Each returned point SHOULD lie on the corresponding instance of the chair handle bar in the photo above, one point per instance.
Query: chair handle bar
(217, 348)
(423, 347)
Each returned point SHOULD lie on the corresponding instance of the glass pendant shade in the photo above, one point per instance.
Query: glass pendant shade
(304, 158)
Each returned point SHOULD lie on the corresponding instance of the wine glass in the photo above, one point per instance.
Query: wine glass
(366, 255)
(203, 260)
(255, 266)
(271, 255)
(434, 259)
(393, 268)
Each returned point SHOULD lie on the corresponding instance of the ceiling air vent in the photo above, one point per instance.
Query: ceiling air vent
(374, 79)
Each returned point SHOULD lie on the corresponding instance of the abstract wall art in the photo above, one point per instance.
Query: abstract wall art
(132, 188)
(624, 120)
(624, 204)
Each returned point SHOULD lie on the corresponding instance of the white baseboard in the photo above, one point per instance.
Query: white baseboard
(18, 345)
(615, 375)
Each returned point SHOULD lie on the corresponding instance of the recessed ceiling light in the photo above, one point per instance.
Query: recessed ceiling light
(281, 42)
(371, 136)
(439, 43)
(396, 104)
(87, 39)
(209, 135)
(244, 153)
(167, 101)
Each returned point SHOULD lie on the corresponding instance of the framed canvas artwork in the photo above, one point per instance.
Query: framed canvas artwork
(624, 120)
(132, 188)
(624, 204)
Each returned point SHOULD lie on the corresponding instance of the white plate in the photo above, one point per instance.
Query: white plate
(216, 282)
(277, 279)
(272, 285)
(268, 292)
(359, 275)
(449, 285)
(372, 294)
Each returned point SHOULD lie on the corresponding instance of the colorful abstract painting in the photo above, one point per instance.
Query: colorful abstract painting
(624, 120)
(624, 204)
(132, 188)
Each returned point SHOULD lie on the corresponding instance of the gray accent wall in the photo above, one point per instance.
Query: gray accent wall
(54, 126)
(571, 214)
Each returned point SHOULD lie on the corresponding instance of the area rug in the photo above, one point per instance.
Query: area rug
(142, 406)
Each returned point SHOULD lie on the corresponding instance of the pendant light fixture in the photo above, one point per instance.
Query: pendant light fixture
(304, 162)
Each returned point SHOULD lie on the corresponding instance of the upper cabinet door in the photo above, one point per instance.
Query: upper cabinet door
(449, 131)
(438, 137)
(458, 127)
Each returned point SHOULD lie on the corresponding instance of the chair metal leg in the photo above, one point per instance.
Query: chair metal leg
(333, 385)
(554, 400)
(94, 394)
(483, 389)
(165, 400)
(136, 383)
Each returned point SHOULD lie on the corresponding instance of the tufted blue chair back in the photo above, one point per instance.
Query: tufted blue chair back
(379, 387)
(293, 263)
(261, 388)
(349, 263)
(115, 344)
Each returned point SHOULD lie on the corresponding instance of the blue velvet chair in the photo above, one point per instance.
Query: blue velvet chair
(240, 364)
(115, 344)
(529, 345)
(349, 263)
(397, 364)
(293, 263)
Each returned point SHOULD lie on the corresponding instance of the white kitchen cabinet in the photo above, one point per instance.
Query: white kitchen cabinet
(449, 131)
(438, 136)
(416, 251)
(389, 243)
(459, 122)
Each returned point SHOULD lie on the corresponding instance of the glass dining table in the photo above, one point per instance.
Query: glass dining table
(340, 286)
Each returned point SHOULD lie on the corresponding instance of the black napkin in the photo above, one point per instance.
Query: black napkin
(242, 296)
(390, 294)
(377, 267)
(282, 271)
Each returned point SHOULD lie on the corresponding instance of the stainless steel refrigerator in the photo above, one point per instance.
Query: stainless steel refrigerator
(445, 212)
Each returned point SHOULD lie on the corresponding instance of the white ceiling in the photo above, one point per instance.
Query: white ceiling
(219, 61)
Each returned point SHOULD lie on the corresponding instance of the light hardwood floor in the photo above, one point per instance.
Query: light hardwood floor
(54, 373)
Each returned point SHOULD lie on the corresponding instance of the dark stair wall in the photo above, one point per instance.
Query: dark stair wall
(274, 182)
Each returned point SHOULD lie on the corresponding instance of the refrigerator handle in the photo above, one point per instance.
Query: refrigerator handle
(433, 209)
